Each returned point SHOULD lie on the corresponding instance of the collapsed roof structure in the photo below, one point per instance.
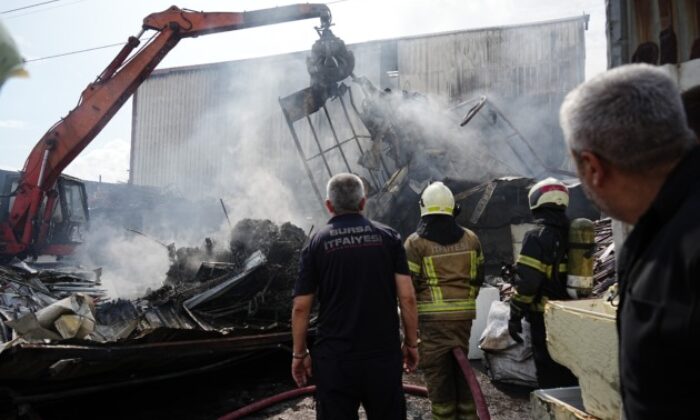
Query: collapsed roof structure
(224, 313)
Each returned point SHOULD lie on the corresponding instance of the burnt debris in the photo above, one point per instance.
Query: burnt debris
(237, 301)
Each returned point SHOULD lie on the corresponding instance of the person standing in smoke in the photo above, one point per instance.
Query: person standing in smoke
(446, 264)
(540, 275)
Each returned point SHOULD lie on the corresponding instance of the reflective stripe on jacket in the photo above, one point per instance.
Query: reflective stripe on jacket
(446, 277)
(538, 280)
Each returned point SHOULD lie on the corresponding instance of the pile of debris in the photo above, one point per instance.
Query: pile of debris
(32, 295)
(248, 285)
(236, 303)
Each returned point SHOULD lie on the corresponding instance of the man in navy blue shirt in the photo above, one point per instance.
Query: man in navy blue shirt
(357, 268)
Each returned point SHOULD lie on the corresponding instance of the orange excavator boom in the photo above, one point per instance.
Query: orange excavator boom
(28, 222)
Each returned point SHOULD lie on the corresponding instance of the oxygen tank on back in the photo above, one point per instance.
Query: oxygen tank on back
(579, 282)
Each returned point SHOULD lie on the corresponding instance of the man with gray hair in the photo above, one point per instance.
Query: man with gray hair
(357, 268)
(638, 161)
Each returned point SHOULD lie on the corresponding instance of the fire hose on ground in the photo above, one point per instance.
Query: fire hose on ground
(481, 407)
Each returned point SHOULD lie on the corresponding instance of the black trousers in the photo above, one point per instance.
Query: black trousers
(341, 385)
(550, 374)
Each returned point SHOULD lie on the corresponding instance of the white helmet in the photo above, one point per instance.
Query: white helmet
(548, 191)
(436, 199)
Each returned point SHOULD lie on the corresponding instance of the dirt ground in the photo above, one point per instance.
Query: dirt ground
(504, 402)
(215, 394)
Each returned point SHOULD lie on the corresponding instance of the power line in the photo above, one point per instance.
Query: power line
(28, 7)
(74, 52)
(31, 12)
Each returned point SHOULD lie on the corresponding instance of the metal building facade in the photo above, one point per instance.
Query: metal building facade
(192, 125)
(536, 59)
(188, 122)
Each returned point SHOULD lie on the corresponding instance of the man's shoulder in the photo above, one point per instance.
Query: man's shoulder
(539, 242)
(470, 234)
(413, 241)
(413, 237)
(670, 258)
(682, 231)
(385, 229)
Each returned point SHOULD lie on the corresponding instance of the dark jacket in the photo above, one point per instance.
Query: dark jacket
(350, 264)
(658, 315)
(541, 266)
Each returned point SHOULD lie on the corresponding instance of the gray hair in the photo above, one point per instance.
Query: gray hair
(345, 191)
(631, 116)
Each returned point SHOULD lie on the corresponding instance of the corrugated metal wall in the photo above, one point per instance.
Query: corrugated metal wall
(197, 130)
(538, 59)
(525, 70)
(200, 130)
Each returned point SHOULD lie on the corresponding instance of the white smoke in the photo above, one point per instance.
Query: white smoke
(110, 162)
(131, 264)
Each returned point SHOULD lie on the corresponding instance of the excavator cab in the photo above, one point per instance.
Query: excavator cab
(69, 218)
(70, 214)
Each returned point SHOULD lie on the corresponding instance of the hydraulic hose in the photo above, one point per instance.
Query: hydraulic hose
(295, 393)
(482, 411)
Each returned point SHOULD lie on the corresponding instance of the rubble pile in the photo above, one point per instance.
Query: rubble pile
(281, 245)
(33, 298)
(248, 286)
(223, 313)
(19, 296)
(245, 287)
(65, 282)
(187, 263)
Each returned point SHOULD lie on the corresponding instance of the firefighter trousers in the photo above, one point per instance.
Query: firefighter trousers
(448, 391)
(550, 374)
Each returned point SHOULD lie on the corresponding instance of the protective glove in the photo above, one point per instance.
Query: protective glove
(515, 328)
(507, 272)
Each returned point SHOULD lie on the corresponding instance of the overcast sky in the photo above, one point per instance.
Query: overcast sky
(29, 107)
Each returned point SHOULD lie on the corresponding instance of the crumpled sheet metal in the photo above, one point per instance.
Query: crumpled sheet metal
(72, 317)
(255, 261)
(18, 297)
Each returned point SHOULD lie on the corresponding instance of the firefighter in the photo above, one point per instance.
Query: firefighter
(541, 270)
(446, 263)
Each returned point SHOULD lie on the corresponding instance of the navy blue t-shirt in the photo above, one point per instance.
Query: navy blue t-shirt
(350, 265)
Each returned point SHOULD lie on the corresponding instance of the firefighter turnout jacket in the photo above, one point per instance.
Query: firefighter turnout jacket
(446, 277)
(541, 266)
